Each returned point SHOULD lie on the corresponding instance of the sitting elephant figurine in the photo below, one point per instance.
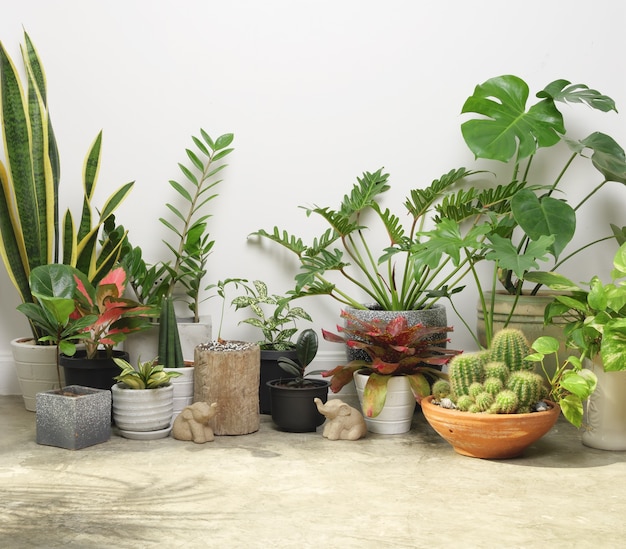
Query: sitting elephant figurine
(343, 422)
(191, 423)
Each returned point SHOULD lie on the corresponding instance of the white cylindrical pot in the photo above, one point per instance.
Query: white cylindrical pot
(36, 369)
(397, 413)
(183, 388)
(605, 410)
(141, 410)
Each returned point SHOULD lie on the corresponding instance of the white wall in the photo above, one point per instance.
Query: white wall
(316, 92)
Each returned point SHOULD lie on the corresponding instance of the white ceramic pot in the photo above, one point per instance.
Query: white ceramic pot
(142, 410)
(36, 369)
(397, 413)
(183, 388)
(605, 410)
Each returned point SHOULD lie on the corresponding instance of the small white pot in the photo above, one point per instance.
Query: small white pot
(183, 388)
(397, 413)
(605, 411)
(142, 410)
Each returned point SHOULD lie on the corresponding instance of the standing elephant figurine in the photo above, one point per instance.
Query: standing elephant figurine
(343, 422)
(191, 423)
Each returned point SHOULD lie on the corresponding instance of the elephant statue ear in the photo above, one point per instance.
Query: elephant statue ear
(344, 410)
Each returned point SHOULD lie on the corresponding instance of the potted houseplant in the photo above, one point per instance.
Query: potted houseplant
(595, 325)
(276, 318)
(401, 359)
(292, 397)
(389, 278)
(171, 357)
(115, 317)
(29, 199)
(71, 417)
(143, 400)
(522, 220)
(494, 405)
(190, 246)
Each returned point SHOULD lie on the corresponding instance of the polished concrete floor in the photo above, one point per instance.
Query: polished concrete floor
(273, 489)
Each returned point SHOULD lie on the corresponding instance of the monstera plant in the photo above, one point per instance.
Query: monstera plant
(524, 219)
(31, 231)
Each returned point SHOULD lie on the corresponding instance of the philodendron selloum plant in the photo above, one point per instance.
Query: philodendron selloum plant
(523, 220)
(31, 231)
(388, 276)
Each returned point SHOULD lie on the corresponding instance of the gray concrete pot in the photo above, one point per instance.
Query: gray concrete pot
(73, 418)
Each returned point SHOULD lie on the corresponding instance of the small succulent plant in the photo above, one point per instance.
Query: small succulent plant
(147, 375)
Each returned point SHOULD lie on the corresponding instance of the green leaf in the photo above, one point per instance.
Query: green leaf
(572, 409)
(508, 129)
(306, 347)
(613, 348)
(546, 345)
(507, 256)
(562, 90)
(223, 141)
(375, 394)
(546, 216)
(607, 157)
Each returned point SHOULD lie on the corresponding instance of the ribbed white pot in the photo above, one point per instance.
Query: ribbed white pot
(183, 388)
(142, 410)
(36, 369)
(397, 413)
(605, 411)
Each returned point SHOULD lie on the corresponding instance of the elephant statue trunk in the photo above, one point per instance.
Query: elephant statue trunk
(343, 422)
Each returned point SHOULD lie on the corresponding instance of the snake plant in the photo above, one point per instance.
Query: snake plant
(31, 231)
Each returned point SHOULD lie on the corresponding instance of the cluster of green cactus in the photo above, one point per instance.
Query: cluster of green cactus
(498, 380)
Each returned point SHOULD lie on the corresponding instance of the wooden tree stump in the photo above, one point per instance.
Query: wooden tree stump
(228, 373)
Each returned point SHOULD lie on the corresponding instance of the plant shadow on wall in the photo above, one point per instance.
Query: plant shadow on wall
(524, 220)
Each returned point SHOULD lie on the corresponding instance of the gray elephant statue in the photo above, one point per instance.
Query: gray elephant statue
(192, 423)
(343, 422)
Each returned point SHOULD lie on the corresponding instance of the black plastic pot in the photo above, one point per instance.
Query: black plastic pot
(97, 372)
(270, 370)
(293, 409)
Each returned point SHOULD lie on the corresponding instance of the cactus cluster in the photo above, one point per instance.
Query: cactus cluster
(499, 380)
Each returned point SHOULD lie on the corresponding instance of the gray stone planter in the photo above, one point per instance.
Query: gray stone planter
(76, 420)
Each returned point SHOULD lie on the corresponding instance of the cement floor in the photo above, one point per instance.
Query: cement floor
(273, 489)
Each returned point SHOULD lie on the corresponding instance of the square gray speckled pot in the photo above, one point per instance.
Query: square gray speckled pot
(73, 422)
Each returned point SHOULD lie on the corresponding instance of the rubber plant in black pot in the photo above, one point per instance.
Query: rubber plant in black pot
(115, 318)
(292, 404)
(276, 319)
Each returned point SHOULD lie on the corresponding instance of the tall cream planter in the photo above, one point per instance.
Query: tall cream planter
(36, 369)
(605, 411)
